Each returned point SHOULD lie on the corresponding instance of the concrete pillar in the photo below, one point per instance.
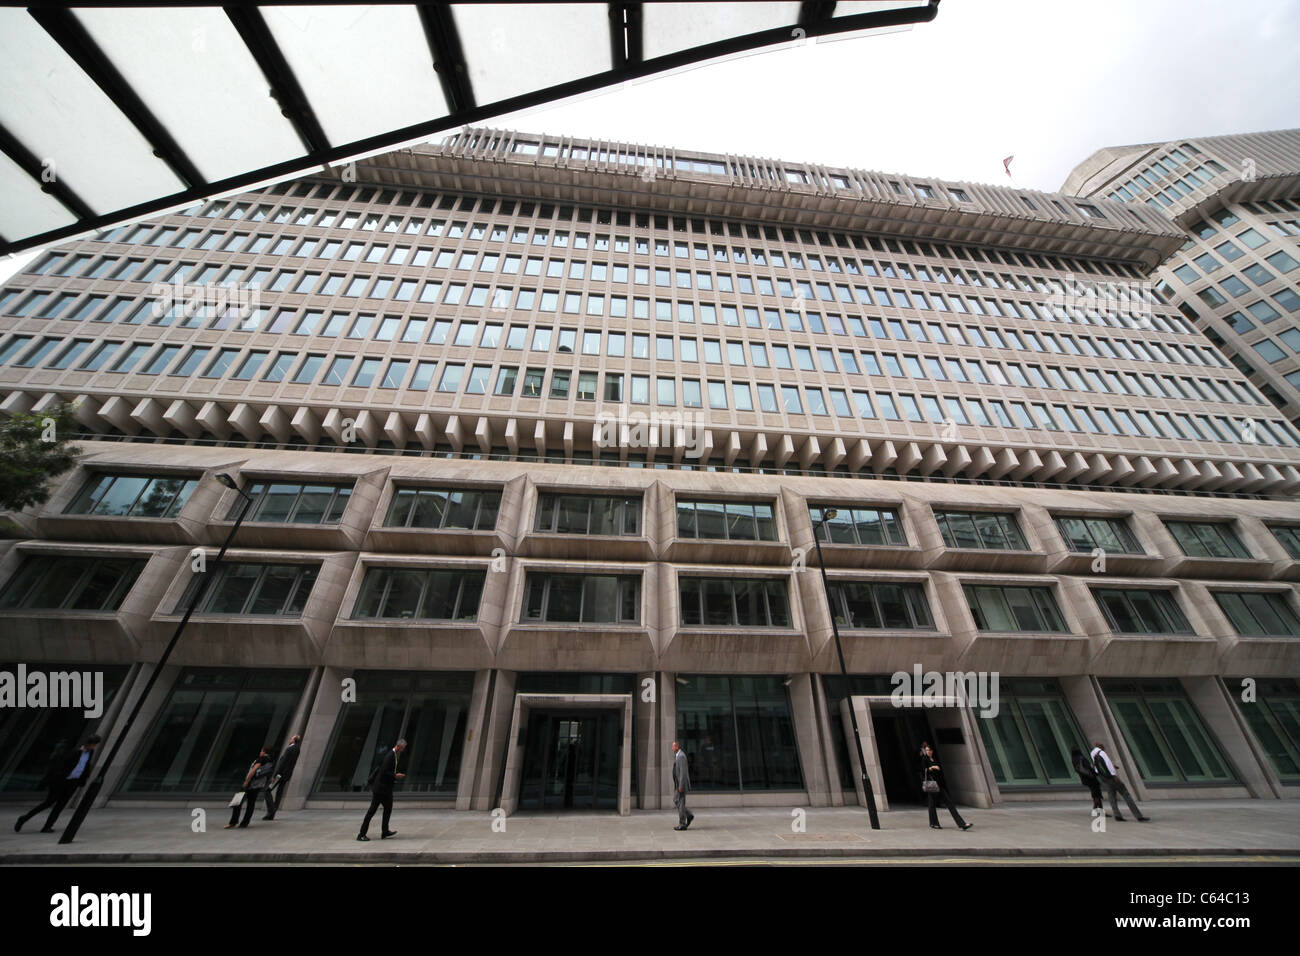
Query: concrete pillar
(809, 741)
(644, 715)
(295, 795)
(661, 764)
(475, 736)
(500, 710)
(326, 703)
(867, 731)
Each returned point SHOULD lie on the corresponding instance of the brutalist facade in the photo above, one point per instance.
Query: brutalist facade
(538, 433)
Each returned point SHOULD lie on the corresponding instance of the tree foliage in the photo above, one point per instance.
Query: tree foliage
(33, 449)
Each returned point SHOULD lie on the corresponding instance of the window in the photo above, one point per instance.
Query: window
(1209, 539)
(61, 582)
(293, 503)
(1164, 733)
(585, 514)
(133, 496)
(1289, 538)
(734, 602)
(880, 605)
(1029, 741)
(1258, 613)
(728, 521)
(738, 733)
(1111, 535)
(1134, 611)
(443, 508)
(279, 590)
(582, 598)
(1013, 608)
(986, 530)
(865, 526)
(438, 594)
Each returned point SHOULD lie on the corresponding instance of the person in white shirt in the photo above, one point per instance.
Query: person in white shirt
(1108, 776)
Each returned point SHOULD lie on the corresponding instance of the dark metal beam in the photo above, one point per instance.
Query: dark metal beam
(815, 11)
(448, 57)
(66, 30)
(33, 167)
(294, 107)
(635, 53)
(338, 154)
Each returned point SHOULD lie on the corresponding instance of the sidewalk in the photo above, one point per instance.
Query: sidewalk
(1266, 831)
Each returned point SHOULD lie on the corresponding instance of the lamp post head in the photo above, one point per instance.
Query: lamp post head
(226, 480)
(828, 515)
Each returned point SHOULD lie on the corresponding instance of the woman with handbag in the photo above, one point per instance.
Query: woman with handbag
(255, 781)
(934, 787)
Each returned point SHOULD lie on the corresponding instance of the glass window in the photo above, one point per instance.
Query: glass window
(64, 582)
(737, 733)
(279, 590)
(1164, 733)
(1136, 611)
(134, 496)
(585, 514)
(977, 529)
(1083, 534)
(726, 520)
(1258, 613)
(582, 598)
(733, 602)
(1211, 539)
(1013, 608)
(866, 604)
(858, 525)
(439, 594)
(443, 508)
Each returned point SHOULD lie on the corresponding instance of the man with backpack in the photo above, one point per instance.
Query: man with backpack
(1108, 775)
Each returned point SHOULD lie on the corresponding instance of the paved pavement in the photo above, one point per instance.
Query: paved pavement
(1264, 831)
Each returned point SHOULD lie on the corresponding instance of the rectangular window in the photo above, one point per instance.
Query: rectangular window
(1258, 613)
(289, 502)
(734, 602)
(1013, 608)
(277, 590)
(1208, 539)
(133, 496)
(727, 521)
(1164, 733)
(980, 529)
(863, 604)
(1084, 535)
(1137, 611)
(582, 598)
(444, 509)
(62, 582)
(434, 594)
(587, 514)
(857, 525)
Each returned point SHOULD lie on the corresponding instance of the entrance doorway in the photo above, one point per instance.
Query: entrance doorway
(899, 732)
(571, 760)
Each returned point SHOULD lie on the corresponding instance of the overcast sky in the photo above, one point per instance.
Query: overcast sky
(1047, 81)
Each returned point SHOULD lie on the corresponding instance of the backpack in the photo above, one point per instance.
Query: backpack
(1085, 767)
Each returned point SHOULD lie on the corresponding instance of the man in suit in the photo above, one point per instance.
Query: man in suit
(681, 787)
(283, 771)
(1108, 775)
(381, 785)
(66, 773)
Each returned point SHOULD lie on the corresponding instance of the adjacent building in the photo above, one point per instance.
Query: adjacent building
(1237, 275)
(541, 435)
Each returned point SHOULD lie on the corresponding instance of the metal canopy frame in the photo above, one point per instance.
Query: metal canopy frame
(447, 58)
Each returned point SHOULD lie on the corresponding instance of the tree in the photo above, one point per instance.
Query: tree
(33, 449)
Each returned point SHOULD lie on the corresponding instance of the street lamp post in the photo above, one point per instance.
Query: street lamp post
(93, 788)
(844, 671)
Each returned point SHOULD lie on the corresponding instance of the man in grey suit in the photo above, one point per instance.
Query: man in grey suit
(681, 787)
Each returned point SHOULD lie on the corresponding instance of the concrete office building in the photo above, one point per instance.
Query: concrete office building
(1237, 275)
(538, 432)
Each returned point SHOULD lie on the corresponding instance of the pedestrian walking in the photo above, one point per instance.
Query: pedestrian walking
(381, 782)
(256, 782)
(1087, 776)
(64, 774)
(280, 779)
(681, 787)
(1108, 775)
(935, 787)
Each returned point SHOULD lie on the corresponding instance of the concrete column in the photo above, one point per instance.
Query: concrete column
(148, 714)
(475, 736)
(648, 741)
(867, 732)
(295, 795)
(804, 712)
(830, 759)
(1216, 710)
(326, 704)
(500, 710)
(662, 766)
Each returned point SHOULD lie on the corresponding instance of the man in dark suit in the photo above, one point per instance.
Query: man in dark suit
(381, 785)
(66, 773)
(283, 771)
(681, 787)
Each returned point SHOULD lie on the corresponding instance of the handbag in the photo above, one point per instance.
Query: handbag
(928, 785)
(236, 800)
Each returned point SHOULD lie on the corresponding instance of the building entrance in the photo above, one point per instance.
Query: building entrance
(571, 761)
(899, 732)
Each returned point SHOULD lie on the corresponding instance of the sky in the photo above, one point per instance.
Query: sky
(1046, 81)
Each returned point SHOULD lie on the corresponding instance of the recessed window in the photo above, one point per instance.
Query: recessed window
(984, 530)
(583, 598)
(880, 605)
(726, 520)
(293, 503)
(58, 582)
(438, 594)
(1208, 539)
(1135, 611)
(585, 514)
(1013, 608)
(277, 590)
(734, 602)
(444, 508)
(1111, 535)
(865, 526)
(1258, 614)
(133, 496)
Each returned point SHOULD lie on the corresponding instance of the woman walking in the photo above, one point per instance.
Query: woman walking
(935, 788)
